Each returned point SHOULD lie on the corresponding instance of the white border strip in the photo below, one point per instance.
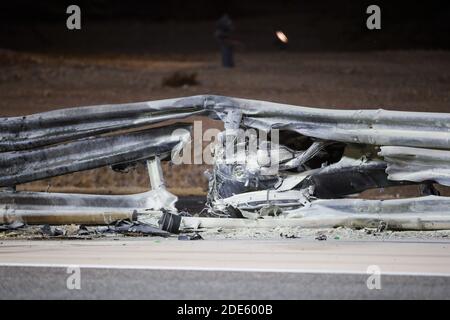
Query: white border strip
(212, 269)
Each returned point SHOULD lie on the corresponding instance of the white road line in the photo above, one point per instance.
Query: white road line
(206, 269)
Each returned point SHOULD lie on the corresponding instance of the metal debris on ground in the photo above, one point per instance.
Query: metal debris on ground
(83, 231)
(12, 226)
(196, 236)
(51, 231)
(382, 226)
(321, 237)
(137, 228)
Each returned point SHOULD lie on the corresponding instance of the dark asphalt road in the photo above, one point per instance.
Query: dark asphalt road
(18, 282)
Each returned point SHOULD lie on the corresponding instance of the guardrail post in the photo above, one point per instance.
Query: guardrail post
(155, 173)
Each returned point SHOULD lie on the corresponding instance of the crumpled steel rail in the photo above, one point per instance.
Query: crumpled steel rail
(378, 127)
(42, 129)
(29, 165)
(62, 141)
(87, 209)
(417, 164)
(423, 213)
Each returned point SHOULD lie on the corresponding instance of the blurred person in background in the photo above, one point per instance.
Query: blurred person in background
(223, 34)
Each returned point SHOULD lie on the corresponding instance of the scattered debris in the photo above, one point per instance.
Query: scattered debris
(321, 237)
(83, 231)
(382, 226)
(46, 230)
(170, 222)
(134, 228)
(51, 231)
(288, 235)
(196, 236)
(12, 226)
(146, 229)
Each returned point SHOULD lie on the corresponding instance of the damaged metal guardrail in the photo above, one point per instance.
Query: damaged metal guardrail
(305, 170)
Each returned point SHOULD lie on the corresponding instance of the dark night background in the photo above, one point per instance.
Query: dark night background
(313, 25)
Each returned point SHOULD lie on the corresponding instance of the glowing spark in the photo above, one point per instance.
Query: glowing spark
(282, 36)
